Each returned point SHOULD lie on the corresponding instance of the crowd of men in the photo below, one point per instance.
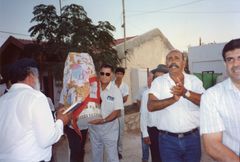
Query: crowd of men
(176, 111)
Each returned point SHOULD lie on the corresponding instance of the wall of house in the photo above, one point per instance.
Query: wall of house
(206, 58)
(147, 55)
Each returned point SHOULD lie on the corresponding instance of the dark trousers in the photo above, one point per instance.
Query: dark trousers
(154, 147)
(76, 144)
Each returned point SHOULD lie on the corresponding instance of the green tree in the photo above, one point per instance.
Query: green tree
(73, 31)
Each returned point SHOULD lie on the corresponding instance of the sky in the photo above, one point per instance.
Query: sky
(182, 22)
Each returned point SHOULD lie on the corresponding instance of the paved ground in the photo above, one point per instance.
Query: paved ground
(132, 149)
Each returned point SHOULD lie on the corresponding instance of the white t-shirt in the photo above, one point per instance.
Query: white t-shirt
(220, 112)
(27, 125)
(183, 115)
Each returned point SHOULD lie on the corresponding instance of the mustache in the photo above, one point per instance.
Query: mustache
(173, 65)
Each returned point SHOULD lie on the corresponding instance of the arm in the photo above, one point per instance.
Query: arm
(194, 97)
(180, 90)
(47, 131)
(125, 98)
(154, 104)
(217, 150)
(144, 115)
(115, 114)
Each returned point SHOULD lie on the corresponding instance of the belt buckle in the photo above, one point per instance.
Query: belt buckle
(180, 135)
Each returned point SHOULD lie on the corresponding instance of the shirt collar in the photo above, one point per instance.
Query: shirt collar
(20, 85)
(171, 80)
(108, 86)
(230, 85)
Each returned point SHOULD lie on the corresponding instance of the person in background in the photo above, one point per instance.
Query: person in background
(143, 119)
(119, 74)
(3, 86)
(220, 110)
(152, 119)
(104, 132)
(28, 130)
(75, 142)
(176, 96)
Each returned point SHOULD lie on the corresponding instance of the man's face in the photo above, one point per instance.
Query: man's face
(175, 62)
(232, 62)
(105, 75)
(119, 75)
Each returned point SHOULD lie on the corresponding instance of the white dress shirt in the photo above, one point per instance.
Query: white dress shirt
(147, 119)
(220, 112)
(27, 126)
(183, 115)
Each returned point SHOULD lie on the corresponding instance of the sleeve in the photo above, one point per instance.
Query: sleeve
(118, 102)
(210, 119)
(144, 115)
(46, 131)
(155, 88)
(198, 87)
(126, 90)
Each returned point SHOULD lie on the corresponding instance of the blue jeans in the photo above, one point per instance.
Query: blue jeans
(145, 150)
(185, 149)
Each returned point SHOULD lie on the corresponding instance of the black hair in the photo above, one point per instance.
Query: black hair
(20, 69)
(231, 45)
(120, 69)
(107, 66)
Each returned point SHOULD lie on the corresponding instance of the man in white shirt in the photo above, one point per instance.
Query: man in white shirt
(220, 110)
(28, 130)
(176, 96)
(119, 74)
(104, 132)
(148, 120)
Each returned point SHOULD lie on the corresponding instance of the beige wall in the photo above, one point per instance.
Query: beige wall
(147, 55)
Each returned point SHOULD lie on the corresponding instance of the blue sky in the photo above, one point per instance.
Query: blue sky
(183, 22)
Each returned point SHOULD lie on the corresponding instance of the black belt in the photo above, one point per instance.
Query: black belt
(179, 135)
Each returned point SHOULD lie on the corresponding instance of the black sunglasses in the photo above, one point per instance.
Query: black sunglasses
(107, 74)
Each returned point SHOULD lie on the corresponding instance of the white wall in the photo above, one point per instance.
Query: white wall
(147, 55)
(206, 58)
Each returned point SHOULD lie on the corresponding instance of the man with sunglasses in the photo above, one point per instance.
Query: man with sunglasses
(220, 110)
(104, 132)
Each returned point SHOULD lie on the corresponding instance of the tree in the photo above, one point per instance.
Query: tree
(73, 31)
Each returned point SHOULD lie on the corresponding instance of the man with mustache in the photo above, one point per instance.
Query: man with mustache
(176, 96)
(28, 130)
(220, 110)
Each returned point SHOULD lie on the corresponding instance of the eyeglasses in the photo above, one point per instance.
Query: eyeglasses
(102, 74)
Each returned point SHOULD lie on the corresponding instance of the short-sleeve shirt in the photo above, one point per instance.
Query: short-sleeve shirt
(147, 119)
(183, 115)
(124, 89)
(111, 100)
(220, 112)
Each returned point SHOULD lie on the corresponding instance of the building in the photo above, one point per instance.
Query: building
(142, 52)
(14, 49)
(207, 63)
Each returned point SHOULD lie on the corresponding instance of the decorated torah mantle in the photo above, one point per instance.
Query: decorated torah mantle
(80, 85)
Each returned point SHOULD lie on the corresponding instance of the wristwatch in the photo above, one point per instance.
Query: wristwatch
(187, 94)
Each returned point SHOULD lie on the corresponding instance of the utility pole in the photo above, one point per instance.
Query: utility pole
(60, 5)
(124, 33)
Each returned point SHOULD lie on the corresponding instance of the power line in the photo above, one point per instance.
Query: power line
(7, 32)
(168, 8)
(195, 12)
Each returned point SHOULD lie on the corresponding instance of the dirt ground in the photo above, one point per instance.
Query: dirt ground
(132, 149)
